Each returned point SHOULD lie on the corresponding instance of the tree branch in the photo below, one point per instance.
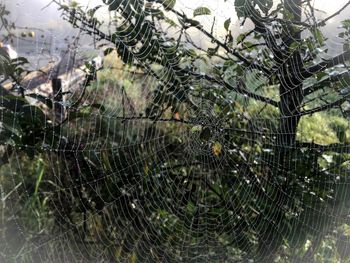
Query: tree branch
(334, 104)
(237, 89)
(334, 147)
(340, 59)
(323, 22)
(328, 81)
(223, 45)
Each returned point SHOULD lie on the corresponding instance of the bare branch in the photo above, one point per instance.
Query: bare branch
(323, 22)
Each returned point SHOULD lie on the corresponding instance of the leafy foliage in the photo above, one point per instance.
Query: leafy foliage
(278, 193)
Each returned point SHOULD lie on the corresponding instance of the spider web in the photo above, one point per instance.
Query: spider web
(188, 185)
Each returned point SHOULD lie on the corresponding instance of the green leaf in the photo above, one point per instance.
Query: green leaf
(155, 12)
(318, 36)
(113, 4)
(170, 21)
(191, 207)
(264, 5)
(91, 12)
(40, 173)
(19, 61)
(5, 65)
(168, 4)
(294, 46)
(4, 54)
(191, 53)
(249, 46)
(240, 38)
(227, 24)
(228, 64)
(105, 161)
(321, 76)
(346, 23)
(200, 11)
(212, 51)
(107, 51)
(240, 7)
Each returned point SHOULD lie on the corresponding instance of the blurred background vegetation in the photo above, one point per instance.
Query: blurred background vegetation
(175, 152)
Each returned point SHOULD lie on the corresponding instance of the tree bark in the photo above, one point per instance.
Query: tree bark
(291, 86)
(291, 97)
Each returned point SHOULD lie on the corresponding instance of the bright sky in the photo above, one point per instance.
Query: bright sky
(30, 10)
(224, 9)
(30, 13)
